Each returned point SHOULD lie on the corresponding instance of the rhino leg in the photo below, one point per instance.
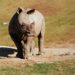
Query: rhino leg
(26, 48)
(18, 45)
(40, 44)
(41, 40)
(27, 45)
(32, 48)
(23, 45)
(20, 50)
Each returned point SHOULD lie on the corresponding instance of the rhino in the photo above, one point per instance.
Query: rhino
(24, 26)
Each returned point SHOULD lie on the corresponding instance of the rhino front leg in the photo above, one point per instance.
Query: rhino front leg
(27, 51)
(32, 48)
(26, 48)
(18, 44)
(23, 45)
(20, 50)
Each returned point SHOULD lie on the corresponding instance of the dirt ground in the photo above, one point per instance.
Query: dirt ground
(50, 55)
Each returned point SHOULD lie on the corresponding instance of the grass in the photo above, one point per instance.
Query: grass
(59, 16)
(57, 68)
(4, 37)
(60, 27)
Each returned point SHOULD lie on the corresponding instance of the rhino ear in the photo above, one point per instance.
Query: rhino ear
(31, 11)
(20, 9)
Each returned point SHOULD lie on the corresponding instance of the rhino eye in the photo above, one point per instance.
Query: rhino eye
(23, 27)
(27, 28)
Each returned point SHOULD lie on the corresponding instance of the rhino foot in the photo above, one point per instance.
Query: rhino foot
(20, 56)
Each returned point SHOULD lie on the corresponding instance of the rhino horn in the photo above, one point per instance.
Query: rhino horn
(32, 25)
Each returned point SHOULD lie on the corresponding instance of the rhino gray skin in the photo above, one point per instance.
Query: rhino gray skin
(24, 26)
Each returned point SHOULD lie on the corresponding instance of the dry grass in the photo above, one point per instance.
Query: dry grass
(59, 15)
(60, 28)
(57, 68)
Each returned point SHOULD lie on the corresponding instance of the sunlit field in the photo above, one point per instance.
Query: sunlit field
(60, 29)
(59, 16)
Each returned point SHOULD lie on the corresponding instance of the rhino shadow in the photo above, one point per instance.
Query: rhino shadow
(5, 51)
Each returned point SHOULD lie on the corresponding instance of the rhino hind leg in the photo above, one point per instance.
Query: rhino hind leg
(41, 40)
(40, 44)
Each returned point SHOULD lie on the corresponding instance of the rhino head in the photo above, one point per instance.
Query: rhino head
(25, 26)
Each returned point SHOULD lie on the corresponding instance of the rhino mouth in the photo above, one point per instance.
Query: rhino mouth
(30, 35)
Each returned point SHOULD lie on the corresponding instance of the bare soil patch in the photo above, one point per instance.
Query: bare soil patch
(50, 55)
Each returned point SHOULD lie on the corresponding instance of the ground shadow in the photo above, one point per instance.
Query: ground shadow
(5, 51)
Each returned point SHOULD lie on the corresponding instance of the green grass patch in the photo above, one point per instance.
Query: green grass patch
(57, 68)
